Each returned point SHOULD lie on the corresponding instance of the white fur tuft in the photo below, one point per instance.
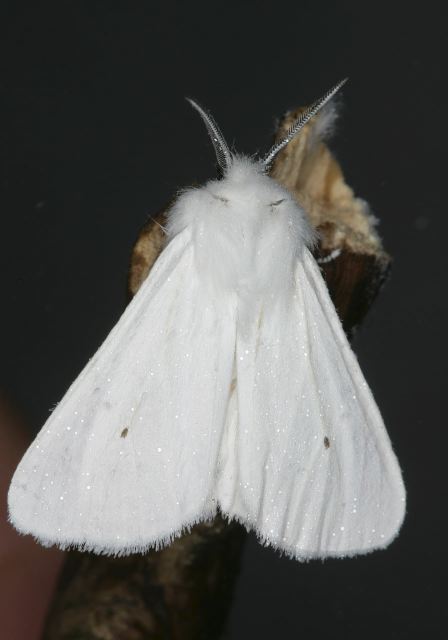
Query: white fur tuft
(325, 122)
(248, 232)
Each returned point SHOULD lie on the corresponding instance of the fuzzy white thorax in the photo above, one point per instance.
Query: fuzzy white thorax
(247, 230)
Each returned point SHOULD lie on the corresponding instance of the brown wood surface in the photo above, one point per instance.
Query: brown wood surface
(184, 591)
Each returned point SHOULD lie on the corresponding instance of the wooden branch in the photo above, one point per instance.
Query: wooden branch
(184, 591)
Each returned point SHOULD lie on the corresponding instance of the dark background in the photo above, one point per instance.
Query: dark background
(95, 135)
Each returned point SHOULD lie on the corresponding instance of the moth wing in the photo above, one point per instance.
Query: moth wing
(308, 463)
(126, 459)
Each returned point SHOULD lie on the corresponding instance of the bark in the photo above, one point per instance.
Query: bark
(185, 591)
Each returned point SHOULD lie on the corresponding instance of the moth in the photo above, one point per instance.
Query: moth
(227, 385)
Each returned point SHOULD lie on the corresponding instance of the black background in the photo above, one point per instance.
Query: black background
(96, 136)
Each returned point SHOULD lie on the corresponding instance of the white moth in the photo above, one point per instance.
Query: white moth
(227, 384)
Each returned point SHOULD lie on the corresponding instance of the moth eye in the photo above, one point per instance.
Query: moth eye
(219, 198)
(277, 202)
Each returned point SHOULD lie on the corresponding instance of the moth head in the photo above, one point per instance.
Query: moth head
(226, 159)
(245, 186)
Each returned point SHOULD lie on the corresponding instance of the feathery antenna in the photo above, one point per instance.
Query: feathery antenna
(223, 154)
(301, 122)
